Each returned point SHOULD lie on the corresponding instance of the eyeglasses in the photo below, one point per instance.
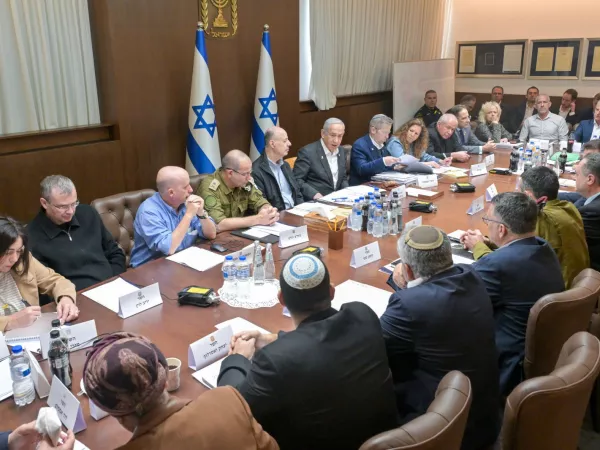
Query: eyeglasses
(245, 175)
(11, 252)
(65, 208)
(487, 221)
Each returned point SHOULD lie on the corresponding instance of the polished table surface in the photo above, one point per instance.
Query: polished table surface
(172, 327)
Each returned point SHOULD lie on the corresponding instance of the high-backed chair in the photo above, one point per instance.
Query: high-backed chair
(595, 399)
(440, 428)
(118, 213)
(291, 161)
(196, 179)
(348, 149)
(546, 413)
(555, 318)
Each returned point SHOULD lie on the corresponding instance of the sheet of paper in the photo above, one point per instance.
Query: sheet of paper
(456, 235)
(566, 183)
(5, 380)
(197, 258)
(456, 259)
(209, 375)
(408, 159)
(361, 189)
(467, 59)
(564, 59)
(596, 60)
(298, 212)
(545, 58)
(79, 446)
(108, 294)
(274, 229)
(33, 331)
(353, 291)
(256, 233)
(512, 58)
(504, 146)
(238, 324)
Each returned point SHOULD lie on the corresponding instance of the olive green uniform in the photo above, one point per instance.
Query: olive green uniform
(220, 202)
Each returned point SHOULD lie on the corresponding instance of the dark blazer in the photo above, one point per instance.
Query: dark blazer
(571, 119)
(313, 174)
(4, 440)
(590, 214)
(470, 143)
(84, 252)
(583, 133)
(267, 183)
(445, 324)
(325, 386)
(587, 114)
(366, 160)
(516, 117)
(516, 276)
(440, 147)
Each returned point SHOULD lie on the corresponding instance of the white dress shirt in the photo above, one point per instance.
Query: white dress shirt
(596, 131)
(332, 159)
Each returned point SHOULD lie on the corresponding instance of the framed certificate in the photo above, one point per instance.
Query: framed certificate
(555, 59)
(591, 60)
(491, 59)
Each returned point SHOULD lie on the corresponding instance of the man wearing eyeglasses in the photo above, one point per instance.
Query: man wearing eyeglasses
(230, 195)
(442, 143)
(464, 138)
(70, 238)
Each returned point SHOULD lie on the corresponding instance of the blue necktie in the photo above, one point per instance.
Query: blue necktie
(462, 136)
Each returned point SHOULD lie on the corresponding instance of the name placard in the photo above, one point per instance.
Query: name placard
(490, 160)
(413, 223)
(294, 236)
(476, 206)
(67, 406)
(478, 169)
(427, 181)
(544, 144)
(490, 193)
(40, 382)
(139, 301)
(3, 347)
(364, 255)
(79, 335)
(210, 348)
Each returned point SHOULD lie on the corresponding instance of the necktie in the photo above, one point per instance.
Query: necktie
(462, 136)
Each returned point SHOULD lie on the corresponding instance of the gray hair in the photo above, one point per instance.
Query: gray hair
(542, 95)
(379, 121)
(517, 211)
(60, 182)
(233, 158)
(447, 118)
(331, 121)
(590, 164)
(426, 263)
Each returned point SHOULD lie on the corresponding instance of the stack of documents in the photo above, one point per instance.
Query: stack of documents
(197, 258)
(397, 177)
(353, 291)
(320, 208)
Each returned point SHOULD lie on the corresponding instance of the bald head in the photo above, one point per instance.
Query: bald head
(234, 158)
(170, 176)
(273, 133)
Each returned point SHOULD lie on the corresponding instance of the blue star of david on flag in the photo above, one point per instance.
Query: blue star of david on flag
(265, 102)
(199, 110)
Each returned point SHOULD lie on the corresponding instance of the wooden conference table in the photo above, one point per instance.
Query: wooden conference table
(172, 327)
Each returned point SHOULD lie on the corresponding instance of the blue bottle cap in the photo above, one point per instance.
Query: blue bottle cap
(242, 258)
(229, 258)
(16, 349)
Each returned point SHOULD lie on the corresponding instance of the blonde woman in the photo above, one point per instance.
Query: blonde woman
(489, 124)
(412, 139)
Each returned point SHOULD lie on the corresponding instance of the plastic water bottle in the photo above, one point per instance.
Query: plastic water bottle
(537, 159)
(258, 268)
(394, 215)
(544, 158)
(562, 161)
(243, 278)
(372, 208)
(20, 372)
(514, 160)
(365, 214)
(386, 218)
(58, 357)
(377, 196)
(521, 159)
(269, 265)
(378, 222)
(229, 288)
(399, 218)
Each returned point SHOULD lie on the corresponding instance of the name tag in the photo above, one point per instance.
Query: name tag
(478, 169)
(210, 348)
(426, 181)
(365, 255)
(67, 406)
(576, 147)
(3, 347)
(247, 251)
(489, 160)
(476, 206)
(76, 334)
(490, 193)
(544, 144)
(139, 301)
(96, 412)
(413, 223)
(294, 236)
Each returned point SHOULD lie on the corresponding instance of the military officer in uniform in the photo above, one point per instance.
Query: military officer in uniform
(429, 112)
(230, 193)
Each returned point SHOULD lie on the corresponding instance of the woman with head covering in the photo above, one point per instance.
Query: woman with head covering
(23, 278)
(125, 375)
(489, 124)
(412, 139)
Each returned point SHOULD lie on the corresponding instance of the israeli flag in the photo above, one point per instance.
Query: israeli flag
(203, 154)
(265, 102)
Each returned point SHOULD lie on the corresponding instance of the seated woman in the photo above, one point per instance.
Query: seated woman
(23, 278)
(126, 375)
(412, 138)
(489, 124)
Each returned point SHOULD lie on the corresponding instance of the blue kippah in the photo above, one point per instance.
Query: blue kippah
(303, 272)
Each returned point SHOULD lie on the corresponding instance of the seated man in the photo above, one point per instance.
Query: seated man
(589, 129)
(464, 137)
(567, 109)
(588, 114)
(587, 201)
(272, 175)
(442, 144)
(442, 320)
(429, 112)
(70, 238)
(506, 114)
(327, 384)
(516, 116)
(320, 167)
(231, 196)
(521, 270)
(468, 101)
(559, 222)
(544, 125)
(367, 152)
(171, 219)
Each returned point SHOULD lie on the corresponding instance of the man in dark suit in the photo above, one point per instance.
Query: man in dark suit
(367, 152)
(320, 168)
(521, 270)
(441, 320)
(442, 143)
(588, 114)
(567, 109)
(272, 175)
(516, 116)
(327, 384)
(463, 136)
(589, 129)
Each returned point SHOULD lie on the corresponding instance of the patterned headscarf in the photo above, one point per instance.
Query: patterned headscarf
(124, 373)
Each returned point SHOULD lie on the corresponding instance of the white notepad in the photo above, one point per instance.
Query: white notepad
(5, 380)
(109, 293)
(353, 291)
(197, 258)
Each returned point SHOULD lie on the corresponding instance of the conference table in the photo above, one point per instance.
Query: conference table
(173, 327)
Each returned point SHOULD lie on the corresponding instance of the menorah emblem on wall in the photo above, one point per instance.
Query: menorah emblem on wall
(218, 11)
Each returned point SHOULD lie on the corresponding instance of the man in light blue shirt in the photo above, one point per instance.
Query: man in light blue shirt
(171, 219)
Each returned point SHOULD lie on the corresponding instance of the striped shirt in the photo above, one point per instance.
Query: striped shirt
(11, 300)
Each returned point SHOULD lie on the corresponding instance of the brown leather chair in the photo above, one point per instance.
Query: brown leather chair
(291, 161)
(196, 179)
(118, 213)
(440, 428)
(546, 413)
(595, 399)
(348, 149)
(555, 318)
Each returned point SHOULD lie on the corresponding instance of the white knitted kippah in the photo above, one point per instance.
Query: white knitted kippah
(304, 272)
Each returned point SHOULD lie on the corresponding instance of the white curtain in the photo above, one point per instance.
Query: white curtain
(47, 77)
(354, 43)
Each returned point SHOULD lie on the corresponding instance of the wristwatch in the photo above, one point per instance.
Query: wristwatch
(203, 216)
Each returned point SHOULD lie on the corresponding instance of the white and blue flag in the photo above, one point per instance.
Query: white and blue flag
(203, 154)
(265, 102)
